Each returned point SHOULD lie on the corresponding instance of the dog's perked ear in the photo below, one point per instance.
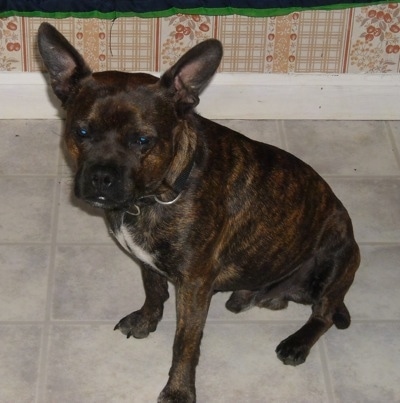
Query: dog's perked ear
(187, 78)
(63, 62)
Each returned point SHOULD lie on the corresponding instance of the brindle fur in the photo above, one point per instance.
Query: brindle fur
(251, 218)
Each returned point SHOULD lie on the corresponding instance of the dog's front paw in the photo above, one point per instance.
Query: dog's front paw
(137, 325)
(176, 396)
(290, 352)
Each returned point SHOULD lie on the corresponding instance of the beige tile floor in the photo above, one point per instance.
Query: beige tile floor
(64, 284)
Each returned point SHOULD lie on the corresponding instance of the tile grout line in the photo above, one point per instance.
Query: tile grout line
(379, 243)
(45, 342)
(27, 175)
(289, 321)
(110, 243)
(395, 150)
(395, 176)
(272, 322)
(282, 134)
(326, 372)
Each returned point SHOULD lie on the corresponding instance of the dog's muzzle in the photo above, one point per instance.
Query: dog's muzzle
(101, 185)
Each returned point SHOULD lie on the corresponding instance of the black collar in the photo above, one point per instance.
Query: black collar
(181, 180)
(177, 187)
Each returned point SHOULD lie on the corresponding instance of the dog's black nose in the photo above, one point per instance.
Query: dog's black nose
(103, 178)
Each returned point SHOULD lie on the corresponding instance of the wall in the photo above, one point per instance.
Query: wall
(360, 40)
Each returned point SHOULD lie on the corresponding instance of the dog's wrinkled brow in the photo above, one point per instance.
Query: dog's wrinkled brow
(111, 112)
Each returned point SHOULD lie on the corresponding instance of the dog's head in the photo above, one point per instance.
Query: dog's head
(127, 132)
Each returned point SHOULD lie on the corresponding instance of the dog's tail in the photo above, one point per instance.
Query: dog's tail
(341, 318)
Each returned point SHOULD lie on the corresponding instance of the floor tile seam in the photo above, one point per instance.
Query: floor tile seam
(61, 161)
(395, 176)
(372, 241)
(61, 176)
(23, 243)
(282, 133)
(325, 175)
(29, 175)
(52, 322)
(296, 321)
(66, 175)
(396, 149)
(45, 341)
(111, 243)
(86, 243)
(379, 243)
(326, 371)
(85, 322)
(22, 323)
(53, 244)
(168, 322)
(377, 321)
(274, 322)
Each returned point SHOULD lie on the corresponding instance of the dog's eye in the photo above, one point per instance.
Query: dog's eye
(137, 139)
(82, 132)
(142, 140)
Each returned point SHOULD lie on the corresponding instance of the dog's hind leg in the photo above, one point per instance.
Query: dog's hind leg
(341, 317)
(295, 349)
(241, 300)
(327, 289)
(140, 323)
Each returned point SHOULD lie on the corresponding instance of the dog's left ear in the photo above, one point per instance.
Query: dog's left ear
(187, 78)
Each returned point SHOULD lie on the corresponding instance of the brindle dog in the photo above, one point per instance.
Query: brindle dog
(200, 205)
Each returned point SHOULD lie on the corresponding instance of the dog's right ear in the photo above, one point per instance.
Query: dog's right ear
(63, 62)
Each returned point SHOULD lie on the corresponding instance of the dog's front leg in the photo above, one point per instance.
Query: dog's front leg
(192, 303)
(140, 323)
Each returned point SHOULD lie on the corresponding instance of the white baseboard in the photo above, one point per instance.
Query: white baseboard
(242, 96)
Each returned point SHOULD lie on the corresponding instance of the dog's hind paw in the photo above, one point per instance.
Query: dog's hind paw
(137, 325)
(240, 300)
(341, 318)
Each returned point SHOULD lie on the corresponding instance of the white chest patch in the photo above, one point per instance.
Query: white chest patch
(125, 239)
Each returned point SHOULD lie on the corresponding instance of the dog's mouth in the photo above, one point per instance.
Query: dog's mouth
(105, 203)
(99, 202)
